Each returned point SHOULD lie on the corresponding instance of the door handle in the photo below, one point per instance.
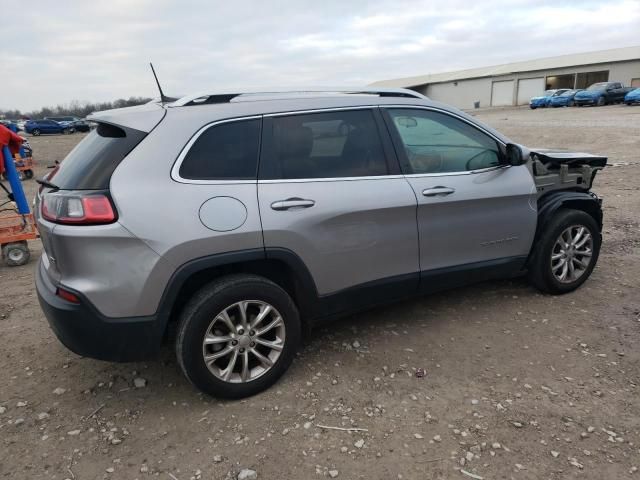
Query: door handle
(438, 191)
(291, 203)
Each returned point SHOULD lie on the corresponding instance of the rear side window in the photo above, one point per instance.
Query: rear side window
(227, 151)
(90, 164)
(343, 143)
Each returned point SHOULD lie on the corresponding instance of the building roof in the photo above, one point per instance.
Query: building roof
(572, 60)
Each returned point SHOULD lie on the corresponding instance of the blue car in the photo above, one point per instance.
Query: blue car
(632, 97)
(544, 100)
(564, 100)
(602, 93)
(37, 127)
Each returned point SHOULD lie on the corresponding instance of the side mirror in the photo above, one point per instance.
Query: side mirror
(515, 155)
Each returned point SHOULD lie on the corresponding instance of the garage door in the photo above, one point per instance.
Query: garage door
(529, 87)
(502, 93)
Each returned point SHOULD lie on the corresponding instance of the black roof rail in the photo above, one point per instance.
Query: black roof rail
(226, 97)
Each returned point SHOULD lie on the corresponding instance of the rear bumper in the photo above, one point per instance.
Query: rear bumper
(83, 330)
(585, 101)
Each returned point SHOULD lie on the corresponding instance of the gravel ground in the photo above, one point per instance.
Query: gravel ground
(518, 384)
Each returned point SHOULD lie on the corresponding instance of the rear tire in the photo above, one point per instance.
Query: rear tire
(561, 249)
(212, 323)
(600, 102)
(16, 254)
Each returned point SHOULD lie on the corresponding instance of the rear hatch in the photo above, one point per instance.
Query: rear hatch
(78, 191)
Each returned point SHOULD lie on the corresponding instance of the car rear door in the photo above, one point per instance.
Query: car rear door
(474, 212)
(49, 126)
(331, 193)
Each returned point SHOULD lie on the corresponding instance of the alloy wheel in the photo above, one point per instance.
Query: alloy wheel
(572, 253)
(244, 341)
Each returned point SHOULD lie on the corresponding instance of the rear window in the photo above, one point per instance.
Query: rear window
(227, 151)
(335, 144)
(90, 164)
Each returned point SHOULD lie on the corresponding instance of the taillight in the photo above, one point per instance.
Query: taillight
(77, 208)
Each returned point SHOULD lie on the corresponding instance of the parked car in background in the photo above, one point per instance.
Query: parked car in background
(80, 126)
(66, 119)
(543, 100)
(602, 93)
(565, 99)
(632, 97)
(9, 123)
(37, 127)
(294, 208)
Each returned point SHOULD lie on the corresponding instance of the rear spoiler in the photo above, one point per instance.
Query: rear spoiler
(141, 117)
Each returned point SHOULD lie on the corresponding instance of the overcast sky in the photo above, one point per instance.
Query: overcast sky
(54, 52)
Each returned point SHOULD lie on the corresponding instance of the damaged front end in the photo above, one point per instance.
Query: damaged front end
(558, 170)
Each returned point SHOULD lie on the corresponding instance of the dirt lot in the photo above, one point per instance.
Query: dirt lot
(518, 385)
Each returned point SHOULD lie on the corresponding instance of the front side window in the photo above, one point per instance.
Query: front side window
(337, 144)
(439, 143)
(227, 151)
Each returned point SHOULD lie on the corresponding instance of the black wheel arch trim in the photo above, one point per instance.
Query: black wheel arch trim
(550, 203)
(306, 294)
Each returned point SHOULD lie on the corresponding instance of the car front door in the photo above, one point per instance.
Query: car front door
(475, 214)
(331, 194)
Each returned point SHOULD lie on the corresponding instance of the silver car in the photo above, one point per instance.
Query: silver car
(240, 220)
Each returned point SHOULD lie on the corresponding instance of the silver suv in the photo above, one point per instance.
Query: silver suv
(232, 223)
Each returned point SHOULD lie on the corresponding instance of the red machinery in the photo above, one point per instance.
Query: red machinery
(17, 224)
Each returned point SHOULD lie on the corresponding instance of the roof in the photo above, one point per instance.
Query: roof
(572, 60)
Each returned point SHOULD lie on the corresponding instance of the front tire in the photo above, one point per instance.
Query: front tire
(600, 102)
(35, 132)
(566, 252)
(237, 336)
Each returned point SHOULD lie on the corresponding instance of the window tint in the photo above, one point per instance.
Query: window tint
(337, 144)
(90, 164)
(439, 143)
(227, 151)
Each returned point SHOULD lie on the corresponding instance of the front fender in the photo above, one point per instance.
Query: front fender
(550, 203)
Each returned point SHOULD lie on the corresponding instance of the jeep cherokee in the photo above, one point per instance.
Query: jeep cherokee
(237, 221)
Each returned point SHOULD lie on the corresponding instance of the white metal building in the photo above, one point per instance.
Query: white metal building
(516, 83)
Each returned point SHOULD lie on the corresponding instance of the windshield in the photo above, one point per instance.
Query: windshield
(568, 93)
(548, 93)
(597, 86)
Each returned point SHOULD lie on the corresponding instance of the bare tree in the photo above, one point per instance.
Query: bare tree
(75, 108)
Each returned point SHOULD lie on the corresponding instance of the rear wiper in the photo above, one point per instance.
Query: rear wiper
(45, 183)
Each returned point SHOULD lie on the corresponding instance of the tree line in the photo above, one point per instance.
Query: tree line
(74, 108)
